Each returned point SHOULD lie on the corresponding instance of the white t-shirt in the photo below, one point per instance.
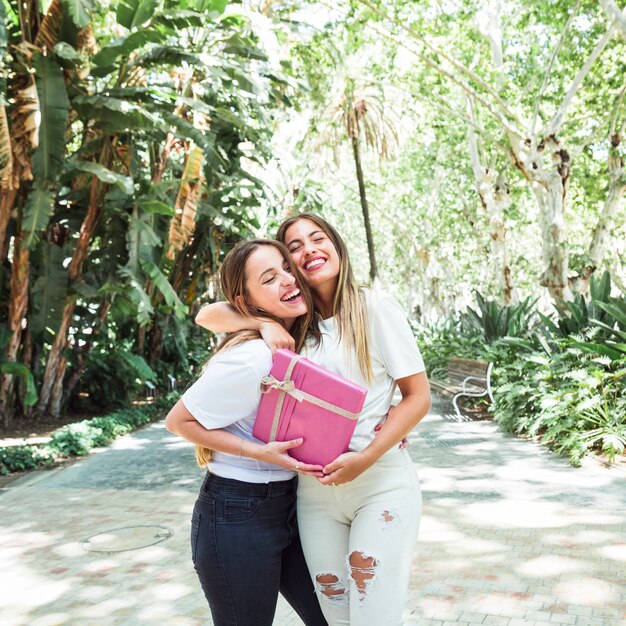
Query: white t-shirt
(394, 354)
(227, 396)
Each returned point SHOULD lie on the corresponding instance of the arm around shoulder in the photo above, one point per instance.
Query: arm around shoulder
(220, 317)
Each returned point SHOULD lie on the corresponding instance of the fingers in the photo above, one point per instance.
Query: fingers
(281, 345)
(307, 467)
(293, 443)
(327, 480)
(330, 468)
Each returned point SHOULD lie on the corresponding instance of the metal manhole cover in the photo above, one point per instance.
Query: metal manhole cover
(126, 538)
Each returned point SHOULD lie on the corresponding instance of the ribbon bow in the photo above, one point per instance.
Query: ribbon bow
(286, 386)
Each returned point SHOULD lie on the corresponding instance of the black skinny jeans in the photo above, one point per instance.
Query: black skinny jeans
(246, 548)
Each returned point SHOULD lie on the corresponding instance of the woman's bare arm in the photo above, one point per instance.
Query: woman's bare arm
(220, 317)
(182, 423)
(402, 419)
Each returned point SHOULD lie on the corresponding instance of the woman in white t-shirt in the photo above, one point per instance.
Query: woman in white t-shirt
(358, 522)
(244, 538)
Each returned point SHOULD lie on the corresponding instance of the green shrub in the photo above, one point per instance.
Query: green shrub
(494, 321)
(562, 380)
(80, 438)
(21, 458)
(75, 439)
(573, 400)
(113, 378)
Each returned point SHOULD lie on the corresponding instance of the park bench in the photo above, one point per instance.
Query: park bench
(465, 377)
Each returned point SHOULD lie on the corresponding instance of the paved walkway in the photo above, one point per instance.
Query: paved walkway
(511, 535)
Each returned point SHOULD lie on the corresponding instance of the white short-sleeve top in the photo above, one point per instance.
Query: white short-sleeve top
(394, 354)
(227, 396)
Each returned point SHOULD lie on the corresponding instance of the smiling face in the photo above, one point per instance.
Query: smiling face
(314, 254)
(271, 287)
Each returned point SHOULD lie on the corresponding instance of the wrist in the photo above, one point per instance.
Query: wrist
(370, 455)
(263, 322)
(250, 450)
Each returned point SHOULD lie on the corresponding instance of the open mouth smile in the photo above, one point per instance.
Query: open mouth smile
(314, 264)
(292, 296)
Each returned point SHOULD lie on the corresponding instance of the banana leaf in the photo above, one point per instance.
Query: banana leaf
(54, 108)
(37, 211)
(80, 11)
(25, 375)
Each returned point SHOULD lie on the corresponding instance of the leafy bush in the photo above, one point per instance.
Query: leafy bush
(21, 458)
(441, 342)
(112, 378)
(562, 379)
(76, 439)
(494, 321)
(572, 400)
(79, 438)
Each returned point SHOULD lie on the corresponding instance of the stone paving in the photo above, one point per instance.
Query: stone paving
(510, 536)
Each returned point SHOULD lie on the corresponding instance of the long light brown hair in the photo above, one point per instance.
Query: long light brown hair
(233, 283)
(349, 301)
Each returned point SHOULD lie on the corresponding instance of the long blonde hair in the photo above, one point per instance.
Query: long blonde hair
(233, 283)
(349, 307)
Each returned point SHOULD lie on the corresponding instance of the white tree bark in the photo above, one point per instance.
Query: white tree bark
(495, 197)
(546, 166)
(601, 237)
(615, 14)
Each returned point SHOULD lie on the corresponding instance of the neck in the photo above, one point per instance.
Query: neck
(323, 297)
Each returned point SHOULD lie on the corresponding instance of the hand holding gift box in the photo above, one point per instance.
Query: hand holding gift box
(302, 399)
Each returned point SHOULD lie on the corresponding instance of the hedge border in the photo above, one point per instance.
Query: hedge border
(79, 438)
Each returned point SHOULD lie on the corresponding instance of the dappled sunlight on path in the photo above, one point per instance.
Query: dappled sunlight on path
(510, 535)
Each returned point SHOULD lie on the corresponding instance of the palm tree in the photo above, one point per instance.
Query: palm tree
(357, 111)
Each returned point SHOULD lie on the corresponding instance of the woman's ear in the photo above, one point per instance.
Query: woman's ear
(241, 302)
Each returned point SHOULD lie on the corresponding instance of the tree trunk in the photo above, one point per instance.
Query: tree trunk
(7, 198)
(86, 233)
(54, 358)
(57, 389)
(494, 195)
(602, 232)
(365, 208)
(615, 14)
(79, 368)
(20, 270)
(549, 185)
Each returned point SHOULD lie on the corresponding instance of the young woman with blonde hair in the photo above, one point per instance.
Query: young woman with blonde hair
(244, 537)
(359, 521)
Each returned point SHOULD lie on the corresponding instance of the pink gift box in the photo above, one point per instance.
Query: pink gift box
(302, 399)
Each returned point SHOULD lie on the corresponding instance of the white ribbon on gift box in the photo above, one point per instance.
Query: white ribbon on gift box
(288, 387)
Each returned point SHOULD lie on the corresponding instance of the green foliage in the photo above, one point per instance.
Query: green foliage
(494, 321)
(113, 378)
(37, 212)
(80, 11)
(54, 106)
(76, 439)
(80, 438)
(447, 339)
(22, 458)
(566, 389)
(573, 401)
(26, 377)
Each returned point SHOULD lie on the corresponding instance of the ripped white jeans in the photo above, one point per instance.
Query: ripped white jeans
(358, 540)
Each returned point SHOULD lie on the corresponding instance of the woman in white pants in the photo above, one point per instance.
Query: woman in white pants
(359, 522)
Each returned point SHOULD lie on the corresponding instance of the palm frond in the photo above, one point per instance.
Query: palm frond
(184, 221)
(48, 34)
(7, 180)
